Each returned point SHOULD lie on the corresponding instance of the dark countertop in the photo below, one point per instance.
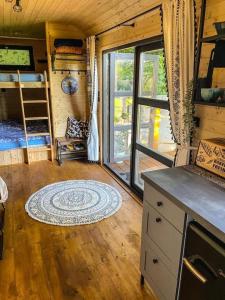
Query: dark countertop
(203, 200)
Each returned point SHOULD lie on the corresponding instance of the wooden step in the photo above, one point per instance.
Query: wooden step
(34, 101)
(39, 149)
(38, 134)
(35, 118)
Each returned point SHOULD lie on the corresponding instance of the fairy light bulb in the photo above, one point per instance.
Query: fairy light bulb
(17, 7)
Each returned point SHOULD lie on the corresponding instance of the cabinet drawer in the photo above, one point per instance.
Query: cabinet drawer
(163, 234)
(171, 266)
(164, 206)
(157, 275)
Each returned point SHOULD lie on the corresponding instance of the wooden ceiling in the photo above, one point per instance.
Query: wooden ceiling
(91, 16)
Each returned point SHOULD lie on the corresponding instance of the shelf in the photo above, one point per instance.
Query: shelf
(213, 39)
(73, 151)
(69, 54)
(199, 102)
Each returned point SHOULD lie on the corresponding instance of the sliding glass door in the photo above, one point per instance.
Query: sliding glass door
(119, 71)
(136, 131)
(153, 147)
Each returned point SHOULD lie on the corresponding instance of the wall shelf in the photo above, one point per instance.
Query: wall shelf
(213, 39)
(199, 102)
(79, 58)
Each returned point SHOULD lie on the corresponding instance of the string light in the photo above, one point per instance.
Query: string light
(17, 7)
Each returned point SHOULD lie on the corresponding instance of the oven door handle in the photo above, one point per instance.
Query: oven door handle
(194, 271)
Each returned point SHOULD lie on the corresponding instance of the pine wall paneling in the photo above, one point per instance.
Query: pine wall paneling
(65, 105)
(212, 119)
(90, 16)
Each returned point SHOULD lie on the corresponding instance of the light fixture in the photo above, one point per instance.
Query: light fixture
(17, 7)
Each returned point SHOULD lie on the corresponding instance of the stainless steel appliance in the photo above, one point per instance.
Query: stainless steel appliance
(203, 271)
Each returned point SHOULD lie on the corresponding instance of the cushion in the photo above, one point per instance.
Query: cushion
(76, 129)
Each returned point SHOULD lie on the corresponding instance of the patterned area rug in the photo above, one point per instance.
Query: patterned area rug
(74, 202)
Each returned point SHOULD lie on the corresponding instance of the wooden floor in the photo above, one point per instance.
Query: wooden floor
(145, 165)
(98, 261)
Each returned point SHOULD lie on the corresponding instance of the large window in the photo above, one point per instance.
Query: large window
(137, 132)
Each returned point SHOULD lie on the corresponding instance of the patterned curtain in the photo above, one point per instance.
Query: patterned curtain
(179, 40)
(92, 83)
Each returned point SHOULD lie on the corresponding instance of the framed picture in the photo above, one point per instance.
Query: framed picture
(16, 58)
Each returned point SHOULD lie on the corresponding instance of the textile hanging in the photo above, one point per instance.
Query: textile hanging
(179, 41)
(92, 84)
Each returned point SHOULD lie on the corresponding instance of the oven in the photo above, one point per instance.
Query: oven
(203, 268)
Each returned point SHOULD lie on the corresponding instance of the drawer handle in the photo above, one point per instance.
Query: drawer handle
(155, 261)
(159, 203)
(158, 220)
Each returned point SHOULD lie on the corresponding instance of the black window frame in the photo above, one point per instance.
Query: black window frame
(153, 43)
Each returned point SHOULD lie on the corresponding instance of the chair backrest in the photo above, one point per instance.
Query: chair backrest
(3, 191)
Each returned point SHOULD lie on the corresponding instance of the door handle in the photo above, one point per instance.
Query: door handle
(194, 271)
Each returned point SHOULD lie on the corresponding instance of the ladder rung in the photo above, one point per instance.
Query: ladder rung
(34, 101)
(38, 134)
(39, 149)
(36, 118)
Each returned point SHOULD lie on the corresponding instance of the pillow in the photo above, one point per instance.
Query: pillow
(76, 129)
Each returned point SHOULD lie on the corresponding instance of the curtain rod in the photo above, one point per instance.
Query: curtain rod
(135, 17)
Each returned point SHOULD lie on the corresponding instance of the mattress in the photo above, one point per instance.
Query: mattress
(24, 77)
(12, 135)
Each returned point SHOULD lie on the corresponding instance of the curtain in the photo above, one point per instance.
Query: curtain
(179, 40)
(92, 89)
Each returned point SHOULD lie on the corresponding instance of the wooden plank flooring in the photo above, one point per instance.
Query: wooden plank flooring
(46, 262)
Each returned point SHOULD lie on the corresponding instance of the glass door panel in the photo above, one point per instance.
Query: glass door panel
(152, 75)
(153, 130)
(136, 132)
(153, 147)
(121, 74)
(144, 163)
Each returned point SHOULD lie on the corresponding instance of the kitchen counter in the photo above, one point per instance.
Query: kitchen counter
(201, 199)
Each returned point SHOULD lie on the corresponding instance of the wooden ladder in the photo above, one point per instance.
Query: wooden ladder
(49, 147)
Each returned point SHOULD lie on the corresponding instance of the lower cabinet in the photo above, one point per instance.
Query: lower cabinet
(161, 243)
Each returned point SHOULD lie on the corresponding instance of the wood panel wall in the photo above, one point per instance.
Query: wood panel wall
(65, 105)
(212, 119)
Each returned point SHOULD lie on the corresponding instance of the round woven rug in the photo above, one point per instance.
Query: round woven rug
(74, 202)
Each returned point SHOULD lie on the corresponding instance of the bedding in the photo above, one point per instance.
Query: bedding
(24, 77)
(12, 134)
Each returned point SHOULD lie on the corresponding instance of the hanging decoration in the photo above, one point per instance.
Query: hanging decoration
(69, 85)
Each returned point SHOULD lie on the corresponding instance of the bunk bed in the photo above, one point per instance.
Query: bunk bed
(34, 134)
(12, 135)
(27, 80)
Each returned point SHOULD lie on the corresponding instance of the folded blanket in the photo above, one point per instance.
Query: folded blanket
(69, 49)
(3, 191)
(68, 42)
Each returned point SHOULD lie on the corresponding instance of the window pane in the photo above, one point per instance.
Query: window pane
(153, 130)
(121, 74)
(124, 71)
(122, 127)
(144, 163)
(152, 82)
